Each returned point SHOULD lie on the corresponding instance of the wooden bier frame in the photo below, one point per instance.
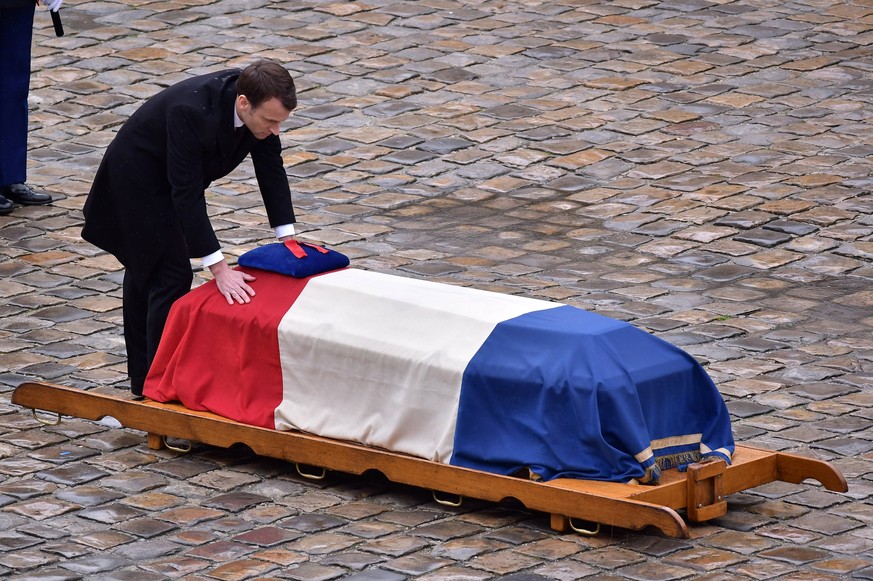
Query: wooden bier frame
(700, 490)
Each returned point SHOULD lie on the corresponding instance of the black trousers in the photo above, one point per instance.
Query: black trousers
(147, 298)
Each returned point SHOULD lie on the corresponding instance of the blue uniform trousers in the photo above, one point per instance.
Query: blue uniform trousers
(16, 35)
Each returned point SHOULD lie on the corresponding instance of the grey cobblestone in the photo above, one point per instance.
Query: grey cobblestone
(698, 168)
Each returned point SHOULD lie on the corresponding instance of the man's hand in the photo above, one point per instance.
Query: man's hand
(232, 283)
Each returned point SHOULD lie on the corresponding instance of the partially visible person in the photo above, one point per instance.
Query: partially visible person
(147, 205)
(16, 36)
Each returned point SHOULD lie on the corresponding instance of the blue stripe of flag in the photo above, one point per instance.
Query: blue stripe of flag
(568, 393)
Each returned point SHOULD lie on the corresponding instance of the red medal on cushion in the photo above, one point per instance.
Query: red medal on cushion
(298, 251)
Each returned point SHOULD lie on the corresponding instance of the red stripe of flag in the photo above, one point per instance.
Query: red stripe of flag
(225, 358)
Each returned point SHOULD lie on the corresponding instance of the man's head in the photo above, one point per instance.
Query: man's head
(265, 97)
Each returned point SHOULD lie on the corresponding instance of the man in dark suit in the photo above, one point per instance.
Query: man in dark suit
(147, 205)
(16, 32)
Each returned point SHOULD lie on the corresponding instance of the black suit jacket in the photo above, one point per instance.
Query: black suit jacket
(149, 191)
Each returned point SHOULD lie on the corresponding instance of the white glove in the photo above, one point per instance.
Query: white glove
(54, 5)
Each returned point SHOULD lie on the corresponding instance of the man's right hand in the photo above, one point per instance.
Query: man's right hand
(232, 284)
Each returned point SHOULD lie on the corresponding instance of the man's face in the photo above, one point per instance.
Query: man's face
(263, 120)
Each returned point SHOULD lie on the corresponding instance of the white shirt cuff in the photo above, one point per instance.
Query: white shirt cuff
(213, 258)
(284, 230)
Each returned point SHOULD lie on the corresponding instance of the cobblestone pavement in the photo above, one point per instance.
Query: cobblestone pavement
(699, 168)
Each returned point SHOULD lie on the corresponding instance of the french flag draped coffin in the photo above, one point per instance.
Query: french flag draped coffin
(494, 382)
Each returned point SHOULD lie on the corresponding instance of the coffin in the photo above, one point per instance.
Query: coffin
(493, 382)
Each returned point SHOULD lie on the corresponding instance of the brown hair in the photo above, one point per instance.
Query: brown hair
(264, 80)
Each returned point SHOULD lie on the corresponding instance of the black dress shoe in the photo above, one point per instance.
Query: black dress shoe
(136, 386)
(5, 206)
(21, 194)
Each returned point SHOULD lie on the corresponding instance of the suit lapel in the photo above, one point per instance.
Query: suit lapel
(243, 139)
(228, 139)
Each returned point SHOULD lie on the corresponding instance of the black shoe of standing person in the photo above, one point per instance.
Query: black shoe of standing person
(21, 194)
(5, 206)
(136, 386)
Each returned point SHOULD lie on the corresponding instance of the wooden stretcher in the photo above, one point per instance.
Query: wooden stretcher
(700, 491)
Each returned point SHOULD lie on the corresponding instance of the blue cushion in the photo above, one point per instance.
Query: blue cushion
(297, 259)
